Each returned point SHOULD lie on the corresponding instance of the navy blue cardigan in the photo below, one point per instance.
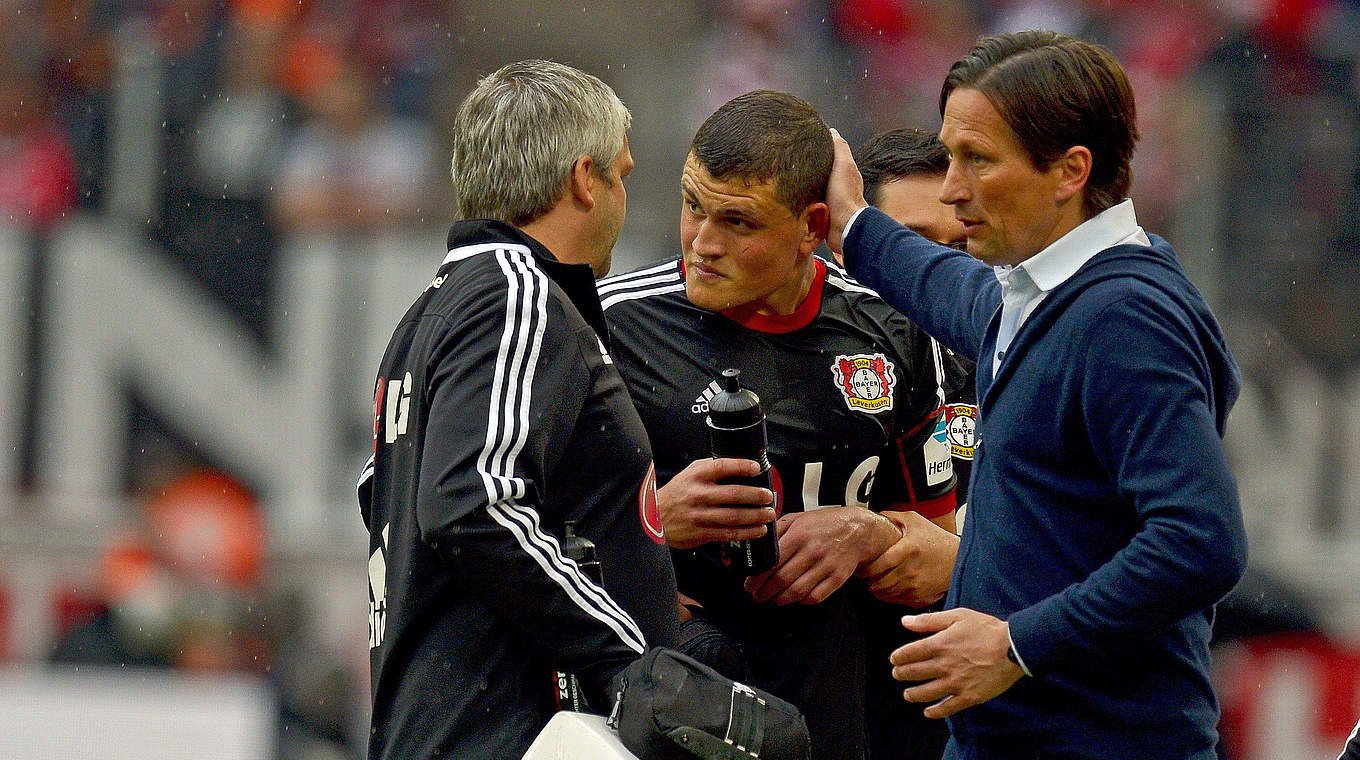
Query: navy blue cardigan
(1103, 520)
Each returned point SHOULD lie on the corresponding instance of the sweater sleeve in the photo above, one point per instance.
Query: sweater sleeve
(950, 294)
(1150, 418)
(507, 386)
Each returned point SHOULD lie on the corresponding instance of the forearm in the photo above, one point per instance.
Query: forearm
(915, 571)
(1162, 578)
(1188, 551)
(948, 293)
(947, 522)
(1150, 423)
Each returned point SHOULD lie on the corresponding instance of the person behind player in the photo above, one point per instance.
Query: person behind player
(903, 170)
(498, 418)
(851, 389)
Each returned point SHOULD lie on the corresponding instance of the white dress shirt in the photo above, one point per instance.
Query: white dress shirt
(1025, 285)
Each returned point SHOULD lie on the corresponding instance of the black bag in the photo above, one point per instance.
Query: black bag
(672, 707)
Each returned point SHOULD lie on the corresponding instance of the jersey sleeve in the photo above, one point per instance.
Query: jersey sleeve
(915, 471)
(507, 384)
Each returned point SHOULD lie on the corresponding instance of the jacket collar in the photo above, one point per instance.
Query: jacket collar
(576, 280)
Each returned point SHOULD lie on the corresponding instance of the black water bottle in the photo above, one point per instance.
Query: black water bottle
(570, 696)
(736, 428)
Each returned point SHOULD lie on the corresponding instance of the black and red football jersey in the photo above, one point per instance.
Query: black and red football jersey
(852, 392)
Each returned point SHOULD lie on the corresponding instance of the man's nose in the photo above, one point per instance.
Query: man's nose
(954, 189)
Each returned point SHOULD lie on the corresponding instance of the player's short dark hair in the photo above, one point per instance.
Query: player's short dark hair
(767, 135)
(898, 154)
(1056, 92)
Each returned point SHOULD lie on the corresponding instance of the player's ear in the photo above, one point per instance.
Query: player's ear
(817, 219)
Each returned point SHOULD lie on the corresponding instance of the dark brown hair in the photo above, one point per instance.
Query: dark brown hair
(1056, 92)
(898, 154)
(767, 135)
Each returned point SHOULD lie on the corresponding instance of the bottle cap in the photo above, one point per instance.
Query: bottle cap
(733, 406)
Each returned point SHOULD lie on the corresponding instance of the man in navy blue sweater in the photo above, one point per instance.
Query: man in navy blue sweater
(1104, 522)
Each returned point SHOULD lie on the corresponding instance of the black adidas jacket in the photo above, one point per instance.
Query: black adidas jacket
(498, 415)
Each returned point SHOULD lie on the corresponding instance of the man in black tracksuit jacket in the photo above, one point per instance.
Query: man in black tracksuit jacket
(499, 417)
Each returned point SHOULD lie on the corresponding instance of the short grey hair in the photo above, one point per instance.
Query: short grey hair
(517, 135)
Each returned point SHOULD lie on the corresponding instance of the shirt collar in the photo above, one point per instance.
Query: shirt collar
(1053, 265)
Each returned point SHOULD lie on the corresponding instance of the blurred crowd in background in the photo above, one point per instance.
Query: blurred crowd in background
(285, 118)
(288, 115)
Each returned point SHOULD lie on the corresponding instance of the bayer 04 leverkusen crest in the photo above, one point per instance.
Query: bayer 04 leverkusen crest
(961, 424)
(866, 381)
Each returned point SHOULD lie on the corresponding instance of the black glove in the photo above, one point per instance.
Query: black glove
(669, 706)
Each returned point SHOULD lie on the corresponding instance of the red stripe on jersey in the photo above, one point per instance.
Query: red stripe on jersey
(927, 420)
(938, 507)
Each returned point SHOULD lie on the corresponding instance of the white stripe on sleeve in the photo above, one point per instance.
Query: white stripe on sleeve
(526, 315)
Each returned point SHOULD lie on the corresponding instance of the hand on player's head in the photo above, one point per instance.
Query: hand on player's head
(844, 192)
